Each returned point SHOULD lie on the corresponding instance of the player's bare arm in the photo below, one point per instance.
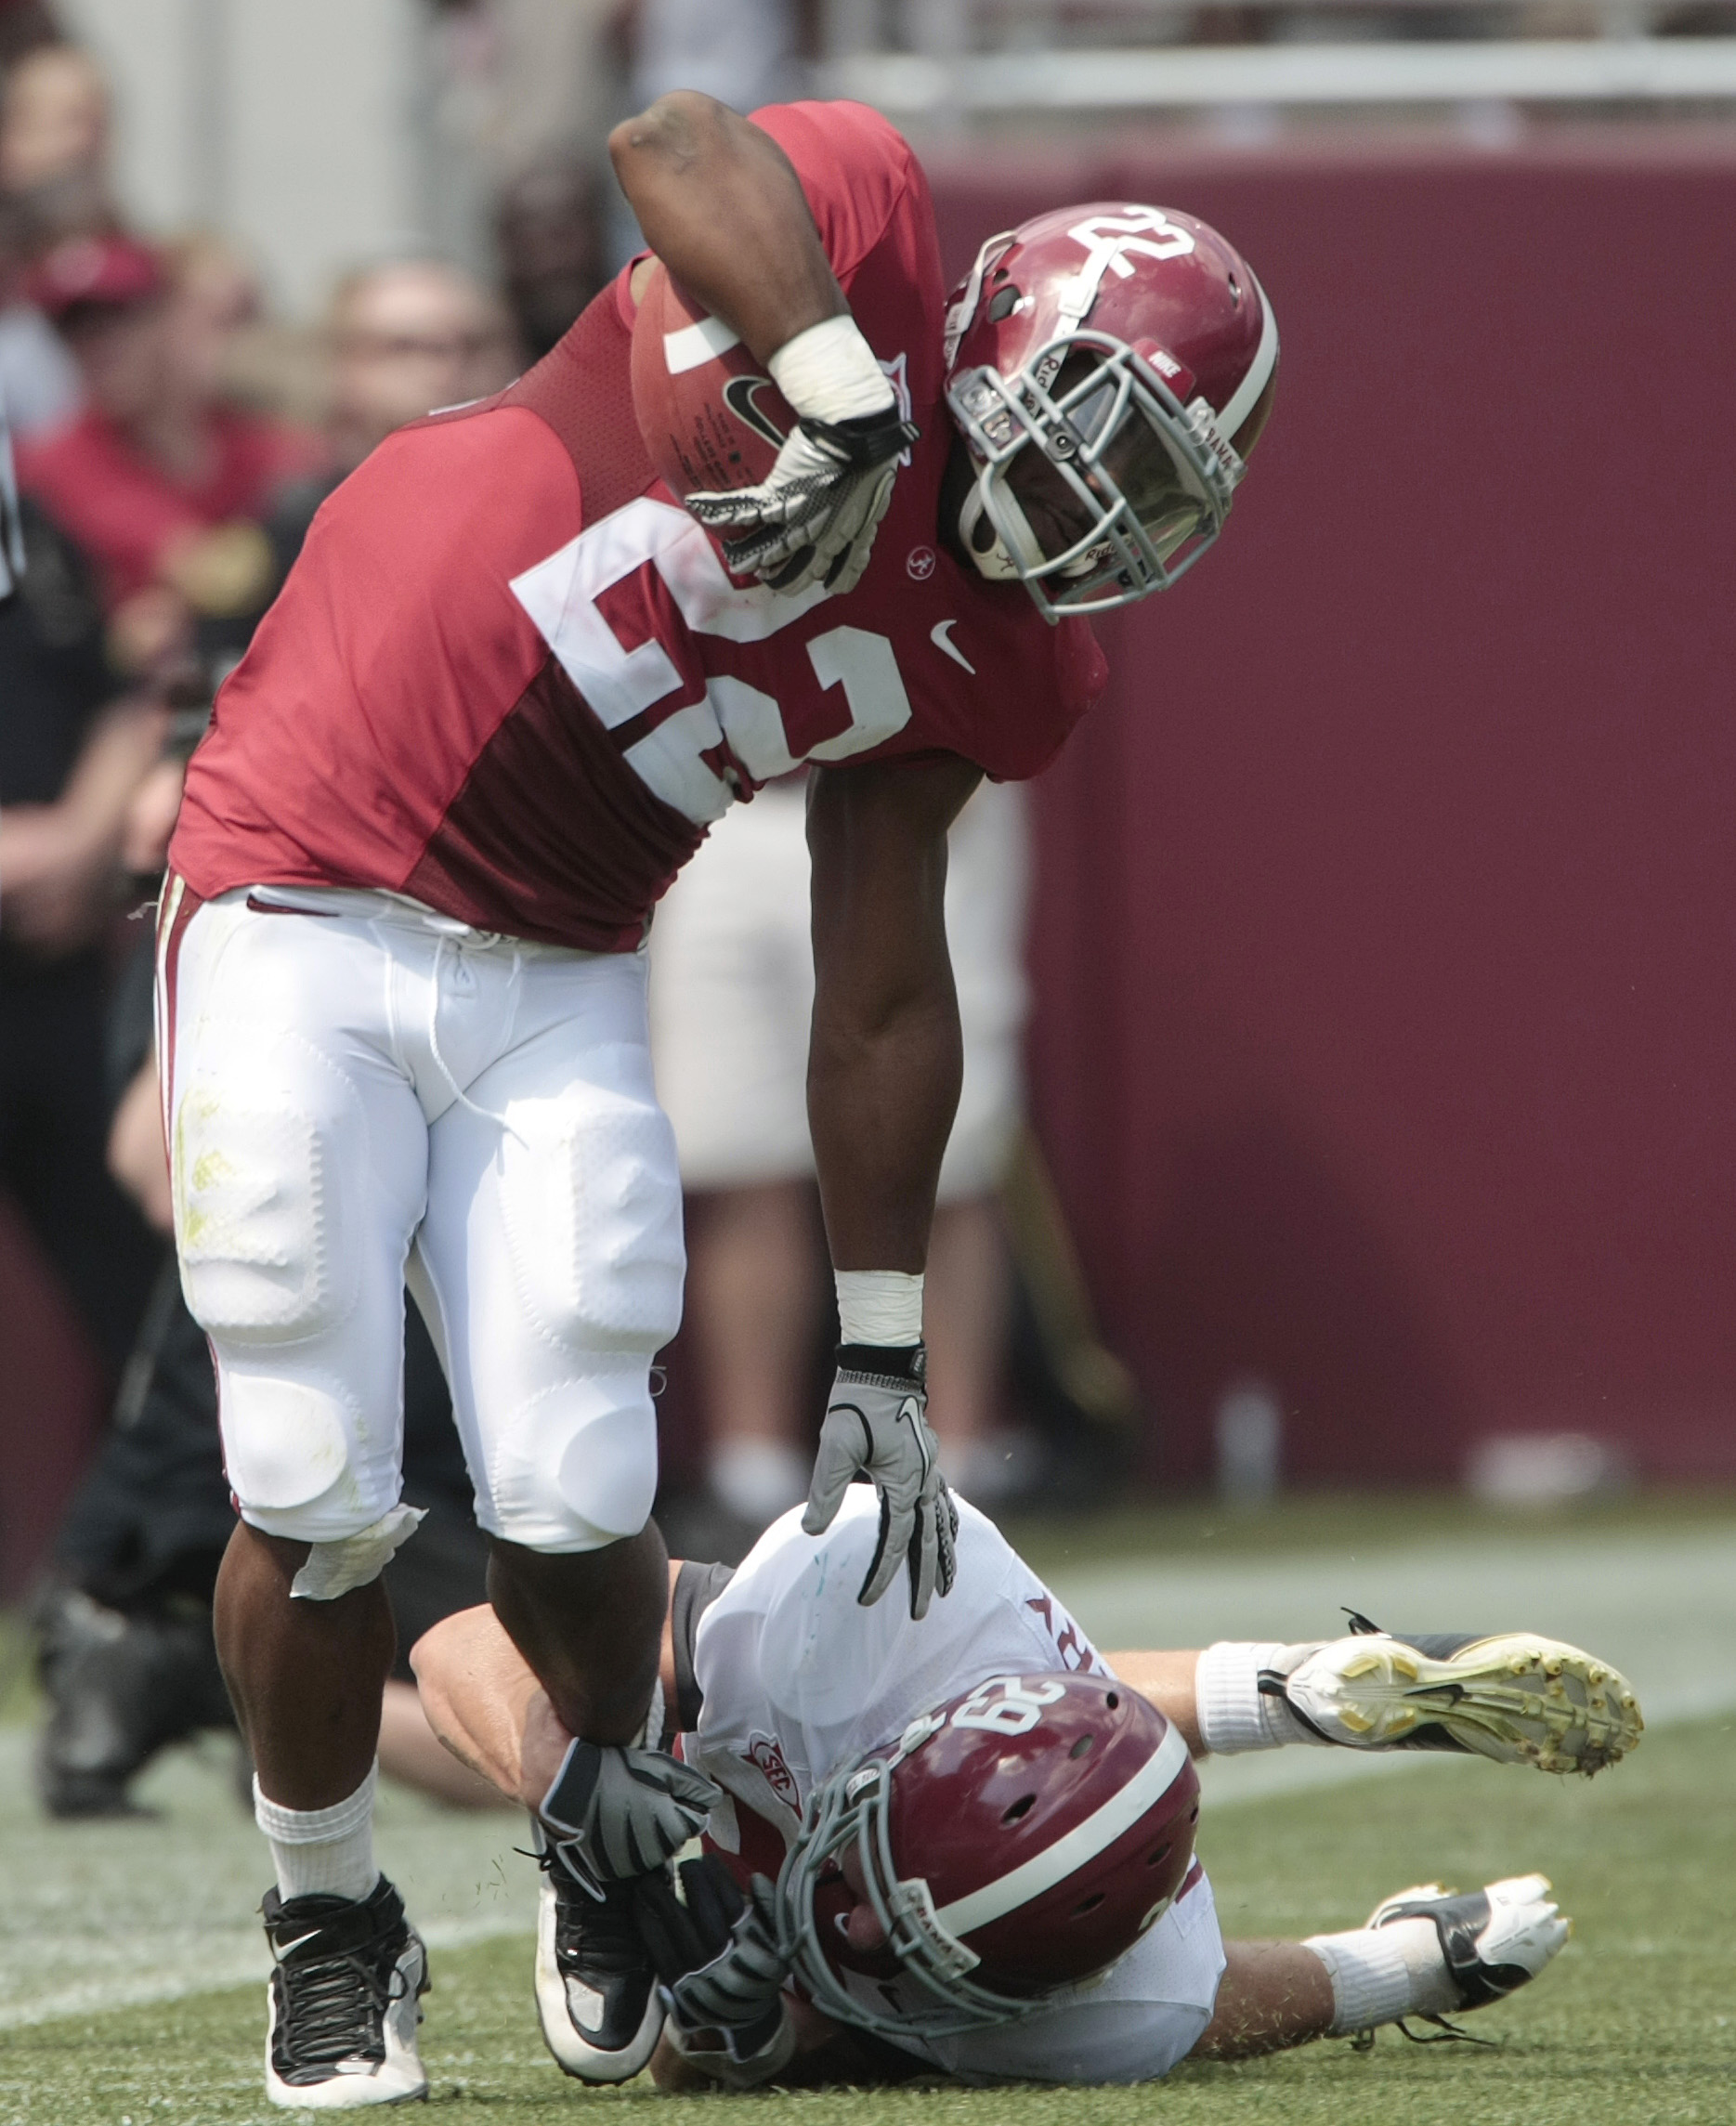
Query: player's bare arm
(885, 1057)
(722, 206)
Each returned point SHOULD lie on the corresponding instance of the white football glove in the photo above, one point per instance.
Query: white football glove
(814, 517)
(613, 1811)
(813, 520)
(877, 1426)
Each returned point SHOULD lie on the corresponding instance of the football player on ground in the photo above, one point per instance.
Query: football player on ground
(401, 985)
(981, 1833)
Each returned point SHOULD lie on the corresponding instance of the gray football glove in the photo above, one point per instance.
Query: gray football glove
(877, 1427)
(613, 1811)
(716, 1955)
(814, 517)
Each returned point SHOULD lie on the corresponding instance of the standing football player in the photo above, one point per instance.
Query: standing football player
(973, 1839)
(402, 982)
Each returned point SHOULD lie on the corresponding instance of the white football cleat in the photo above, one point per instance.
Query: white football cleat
(1495, 1940)
(342, 2004)
(1516, 1697)
(597, 1998)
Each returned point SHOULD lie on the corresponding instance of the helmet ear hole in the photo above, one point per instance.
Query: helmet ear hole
(1080, 1747)
(1005, 303)
(1159, 1855)
(1112, 1701)
(1088, 1905)
(1022, 1806)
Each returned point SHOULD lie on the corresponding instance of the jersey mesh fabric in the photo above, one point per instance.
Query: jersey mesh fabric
(509, 677)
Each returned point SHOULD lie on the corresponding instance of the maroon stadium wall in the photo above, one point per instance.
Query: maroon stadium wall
(1386, 945)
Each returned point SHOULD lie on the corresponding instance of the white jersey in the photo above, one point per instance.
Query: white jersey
(798, 1679)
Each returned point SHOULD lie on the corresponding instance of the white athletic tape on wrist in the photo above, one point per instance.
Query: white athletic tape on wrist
(879, 1306)
(334, 1569)
(830, 372)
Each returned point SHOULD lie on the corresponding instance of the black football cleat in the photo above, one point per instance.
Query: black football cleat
(342, 2002)
(1514, 1696)
(596, 1990)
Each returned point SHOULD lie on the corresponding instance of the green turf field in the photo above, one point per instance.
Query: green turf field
(1634, 2023)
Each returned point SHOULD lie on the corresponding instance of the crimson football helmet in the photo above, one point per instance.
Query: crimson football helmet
(1110, 367)
(1013, 1841)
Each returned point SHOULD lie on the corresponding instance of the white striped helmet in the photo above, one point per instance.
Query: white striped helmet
(1014, 1840)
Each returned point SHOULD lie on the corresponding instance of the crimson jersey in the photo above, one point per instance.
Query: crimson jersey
(510, 676)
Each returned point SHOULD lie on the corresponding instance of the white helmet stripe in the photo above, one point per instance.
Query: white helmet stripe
(1241, 402)
(1083, 1843)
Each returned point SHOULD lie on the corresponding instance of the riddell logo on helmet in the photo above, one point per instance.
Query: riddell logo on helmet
(765, 1754)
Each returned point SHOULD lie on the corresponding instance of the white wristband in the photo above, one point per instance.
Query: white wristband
(880, 1306)
(829, 371)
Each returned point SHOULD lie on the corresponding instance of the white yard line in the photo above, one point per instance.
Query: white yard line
(105, 1915)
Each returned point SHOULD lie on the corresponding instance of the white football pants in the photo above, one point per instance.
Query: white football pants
(361, 1092)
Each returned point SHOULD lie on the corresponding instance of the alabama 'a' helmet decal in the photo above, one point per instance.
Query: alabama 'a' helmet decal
(1110, 366)
(1014, 1840)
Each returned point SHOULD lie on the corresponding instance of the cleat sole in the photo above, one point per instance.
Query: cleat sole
(1516, 1698)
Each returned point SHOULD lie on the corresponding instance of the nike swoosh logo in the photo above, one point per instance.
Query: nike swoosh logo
(742, 395)
(941, 637)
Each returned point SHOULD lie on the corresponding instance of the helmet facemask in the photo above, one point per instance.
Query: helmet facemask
(852, 1808)
(1114, 451)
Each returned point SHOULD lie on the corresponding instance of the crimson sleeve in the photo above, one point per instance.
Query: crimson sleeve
(854, 168)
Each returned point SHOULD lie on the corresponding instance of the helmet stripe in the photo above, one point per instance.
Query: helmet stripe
(1241, 402)
(1071, 1851)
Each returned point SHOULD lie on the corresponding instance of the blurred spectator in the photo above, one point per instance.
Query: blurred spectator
(39, 380)
(549, 231)
(403, 337)
(56, 126)
(518, 84)
(159, 478)
(732, 992)
(54, 181)
(70, 758)
(23, 25)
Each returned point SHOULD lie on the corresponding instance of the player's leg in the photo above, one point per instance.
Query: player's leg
(298, 1156)
(1425, 1953)
(1272, 1995)
(551, 1259)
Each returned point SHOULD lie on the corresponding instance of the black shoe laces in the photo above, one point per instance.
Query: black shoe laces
(332, 2008)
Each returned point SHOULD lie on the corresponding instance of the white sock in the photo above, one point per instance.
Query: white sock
(1233, 1714)
(1380, 1973)
(759, 1479)
(323, 1851)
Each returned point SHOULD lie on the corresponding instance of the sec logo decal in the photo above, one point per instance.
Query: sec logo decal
(920, 564)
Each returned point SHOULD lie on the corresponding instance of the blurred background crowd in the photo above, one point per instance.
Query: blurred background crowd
(240, 245)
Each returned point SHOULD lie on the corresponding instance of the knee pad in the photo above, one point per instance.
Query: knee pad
(591, 1204)
(577, 1469)
(295, 1457)
(260, 1174)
